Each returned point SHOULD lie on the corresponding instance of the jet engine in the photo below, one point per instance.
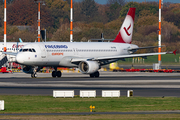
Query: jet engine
(28, 69)
(88, 67)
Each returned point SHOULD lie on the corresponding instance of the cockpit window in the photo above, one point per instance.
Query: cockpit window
(33, 50)
(27, 50)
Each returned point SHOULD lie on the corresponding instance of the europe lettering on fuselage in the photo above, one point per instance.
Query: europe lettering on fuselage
(17, 46)
(56, 46)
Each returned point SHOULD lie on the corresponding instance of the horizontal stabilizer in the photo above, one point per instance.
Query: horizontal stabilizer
(132, 49)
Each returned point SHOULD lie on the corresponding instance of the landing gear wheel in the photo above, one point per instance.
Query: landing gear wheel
(54, 74)
(96, 74)
(58, 73)
(92, 75)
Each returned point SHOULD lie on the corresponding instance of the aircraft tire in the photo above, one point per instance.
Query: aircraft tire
(33, 75)
(96, 74)
(58, 74)
(91, 75)
(54, 74)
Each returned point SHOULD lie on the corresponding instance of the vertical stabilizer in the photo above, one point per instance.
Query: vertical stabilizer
(126, 30)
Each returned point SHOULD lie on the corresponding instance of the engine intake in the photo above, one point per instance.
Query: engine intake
(28, 69)
(88, 67)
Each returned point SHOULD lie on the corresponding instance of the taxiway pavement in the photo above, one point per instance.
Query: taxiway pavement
(143, 84)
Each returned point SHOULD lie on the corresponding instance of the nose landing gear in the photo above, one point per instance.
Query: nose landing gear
(34, 75)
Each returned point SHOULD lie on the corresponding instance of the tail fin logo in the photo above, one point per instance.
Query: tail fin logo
(126, 30)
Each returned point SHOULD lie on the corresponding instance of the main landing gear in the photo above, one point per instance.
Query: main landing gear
(56, 74)
(96, 74)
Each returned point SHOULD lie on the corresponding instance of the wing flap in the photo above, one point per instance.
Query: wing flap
(128, 56)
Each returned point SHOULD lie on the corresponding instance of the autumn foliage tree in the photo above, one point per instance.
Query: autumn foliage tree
(25, 12)
(90, 20)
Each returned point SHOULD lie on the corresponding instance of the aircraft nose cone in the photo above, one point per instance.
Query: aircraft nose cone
(19, 58)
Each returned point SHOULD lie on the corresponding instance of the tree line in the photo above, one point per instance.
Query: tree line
(90, 20)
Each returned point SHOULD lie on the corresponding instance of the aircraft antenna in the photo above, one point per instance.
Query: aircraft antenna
(71, 22)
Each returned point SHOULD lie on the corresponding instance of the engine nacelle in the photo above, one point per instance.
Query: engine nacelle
(27, 69)
(88, 67)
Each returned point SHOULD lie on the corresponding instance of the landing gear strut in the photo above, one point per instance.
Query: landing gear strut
(56, 73)
(96, 74)
(33, 74)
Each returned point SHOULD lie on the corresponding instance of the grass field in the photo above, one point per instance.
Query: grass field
(167, 59)
(48, 104)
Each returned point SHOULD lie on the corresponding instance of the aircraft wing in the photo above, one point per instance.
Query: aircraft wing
(80, 59)
(10, 53)
(116, 57)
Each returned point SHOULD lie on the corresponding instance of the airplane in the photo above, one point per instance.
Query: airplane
(11, 47)
(87, 56)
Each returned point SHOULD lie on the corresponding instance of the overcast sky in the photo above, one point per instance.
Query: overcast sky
(105, 1)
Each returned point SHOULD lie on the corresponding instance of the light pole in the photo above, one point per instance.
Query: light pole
(71, 22)
(159, 41)
(4, 25)
(39, 29)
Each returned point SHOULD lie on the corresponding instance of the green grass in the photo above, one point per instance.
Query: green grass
(167, 59)
(96, 117)
(48, 104)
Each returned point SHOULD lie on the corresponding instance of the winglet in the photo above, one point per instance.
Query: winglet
(175, 52)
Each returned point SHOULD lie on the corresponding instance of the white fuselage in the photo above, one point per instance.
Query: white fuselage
(61, 53)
